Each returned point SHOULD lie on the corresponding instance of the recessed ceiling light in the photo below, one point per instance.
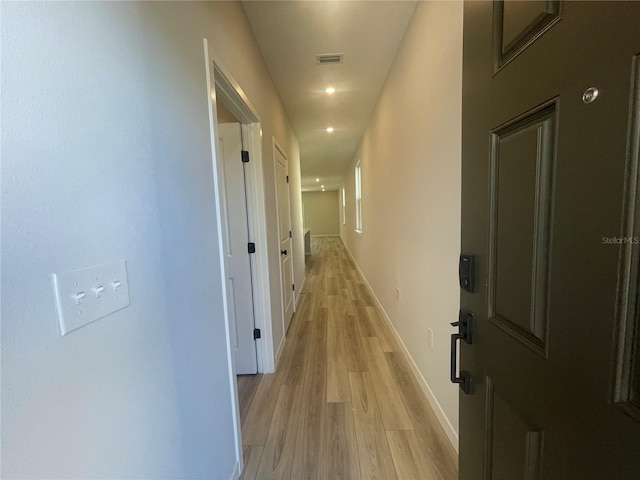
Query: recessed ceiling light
(330, 129)
(330, 90)
(323, 189)
(317, 179)
(321, 186)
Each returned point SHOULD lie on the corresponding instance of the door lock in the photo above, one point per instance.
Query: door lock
(467, 272)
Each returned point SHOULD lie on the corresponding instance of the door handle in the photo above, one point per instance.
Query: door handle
(465, 332)
(283, 252)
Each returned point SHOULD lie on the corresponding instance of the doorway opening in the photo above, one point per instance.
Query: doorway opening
(237, 245)
(236, 133)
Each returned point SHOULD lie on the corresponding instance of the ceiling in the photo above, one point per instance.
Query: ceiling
(290, 34)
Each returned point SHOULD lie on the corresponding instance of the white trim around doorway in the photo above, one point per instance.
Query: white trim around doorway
(226, 88)
(222, 85)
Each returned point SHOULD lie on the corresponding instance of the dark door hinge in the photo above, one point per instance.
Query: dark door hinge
(252, 247)
(287, 178)
(290, 236)
(245, 156)
(256, 333)
(293, 287)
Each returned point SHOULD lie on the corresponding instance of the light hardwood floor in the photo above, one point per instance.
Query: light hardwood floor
(343, 403)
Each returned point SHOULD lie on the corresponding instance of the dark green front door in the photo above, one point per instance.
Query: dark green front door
(551, 96)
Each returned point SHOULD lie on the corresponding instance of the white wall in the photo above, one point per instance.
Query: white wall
(411, 168)
(321, 212)
(106, 154)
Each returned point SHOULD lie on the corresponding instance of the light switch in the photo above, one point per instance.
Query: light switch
(78, 296)
(81, 296)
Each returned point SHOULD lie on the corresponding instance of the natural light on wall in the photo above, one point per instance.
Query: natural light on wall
(344, 206)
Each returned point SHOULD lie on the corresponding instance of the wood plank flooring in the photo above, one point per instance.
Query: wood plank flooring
(343, 403)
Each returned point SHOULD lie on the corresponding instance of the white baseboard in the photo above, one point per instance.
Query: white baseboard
(446, 424)
(300, 290)
(279, 352)
(235, 475)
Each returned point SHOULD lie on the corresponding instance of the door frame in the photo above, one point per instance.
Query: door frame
(225, 87)
(221, 84)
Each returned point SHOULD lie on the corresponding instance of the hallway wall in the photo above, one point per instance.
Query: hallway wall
(106, 155)
(321, 212)
(411, 173)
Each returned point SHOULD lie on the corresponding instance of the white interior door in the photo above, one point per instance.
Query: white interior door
(284, 226)
(236, 240)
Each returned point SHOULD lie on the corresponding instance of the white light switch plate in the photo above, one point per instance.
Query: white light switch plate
(88, 294)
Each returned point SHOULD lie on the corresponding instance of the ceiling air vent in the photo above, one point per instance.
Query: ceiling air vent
(325, 58)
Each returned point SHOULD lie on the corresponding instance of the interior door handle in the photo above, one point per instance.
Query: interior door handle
(465, 332)
(283, 252)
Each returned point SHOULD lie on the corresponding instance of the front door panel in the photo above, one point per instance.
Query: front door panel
(522, 189)
(627, 387)
(546, 164)
(507, 430)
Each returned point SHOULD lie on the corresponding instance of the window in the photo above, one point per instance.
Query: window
(344, 206)
(358, 178)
